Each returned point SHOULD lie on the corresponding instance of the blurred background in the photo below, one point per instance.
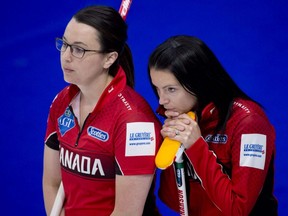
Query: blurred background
(249, 37)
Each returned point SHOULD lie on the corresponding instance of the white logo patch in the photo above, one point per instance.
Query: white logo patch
(253, 150)
(140, 139)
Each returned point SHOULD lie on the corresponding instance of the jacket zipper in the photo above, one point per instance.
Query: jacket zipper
(79, 134)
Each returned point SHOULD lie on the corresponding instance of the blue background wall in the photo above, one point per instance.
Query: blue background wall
(249, 37)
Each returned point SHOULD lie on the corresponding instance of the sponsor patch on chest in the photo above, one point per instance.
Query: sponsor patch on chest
(217, 138)
(140, 139)
(253, 150)
(66, 121)
(97, 133)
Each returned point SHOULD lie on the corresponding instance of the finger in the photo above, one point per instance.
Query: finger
(176, 124)
(186, 119)
(168, 131)
(171, 114)
(177, 132)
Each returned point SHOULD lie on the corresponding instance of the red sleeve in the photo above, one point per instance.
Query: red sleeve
(137, 139)
(51, 139)
(236, 195)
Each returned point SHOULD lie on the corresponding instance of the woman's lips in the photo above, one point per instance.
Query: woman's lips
(67, 70)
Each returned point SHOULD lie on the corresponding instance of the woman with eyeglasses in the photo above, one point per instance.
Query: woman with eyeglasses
(101, 136)
(230, 149)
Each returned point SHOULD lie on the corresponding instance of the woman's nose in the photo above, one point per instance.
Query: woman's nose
(163, 99)
(67, 54)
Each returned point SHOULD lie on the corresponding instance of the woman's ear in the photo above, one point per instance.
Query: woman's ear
(110, 59)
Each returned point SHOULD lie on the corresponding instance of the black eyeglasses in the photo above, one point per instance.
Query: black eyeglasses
(76, 51)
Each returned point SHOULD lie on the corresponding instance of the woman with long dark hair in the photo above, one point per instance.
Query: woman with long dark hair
(101, 136)
(230, 149)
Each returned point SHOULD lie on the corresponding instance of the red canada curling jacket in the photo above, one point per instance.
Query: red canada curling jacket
(232, 172)
(120, 137)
